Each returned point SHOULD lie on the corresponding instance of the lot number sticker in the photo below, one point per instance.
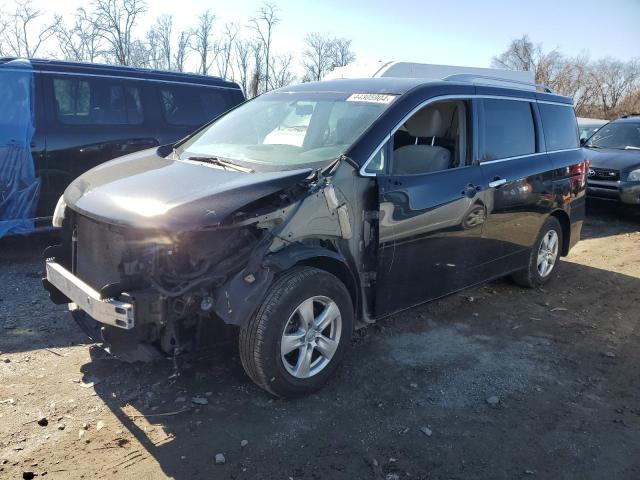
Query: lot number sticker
(371, 98)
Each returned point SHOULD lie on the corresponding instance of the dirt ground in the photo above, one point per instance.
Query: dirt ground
(412, 400)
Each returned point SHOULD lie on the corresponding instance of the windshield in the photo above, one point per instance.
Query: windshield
(617, 135)
(288, 130)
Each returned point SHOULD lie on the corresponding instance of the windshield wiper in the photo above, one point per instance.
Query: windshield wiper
(221, 163)
(593, 146)
(631, 147)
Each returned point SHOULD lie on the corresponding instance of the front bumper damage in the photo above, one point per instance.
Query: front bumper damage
(83, 297)
(159, 288)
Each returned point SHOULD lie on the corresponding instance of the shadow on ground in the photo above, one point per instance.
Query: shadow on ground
(434, 367)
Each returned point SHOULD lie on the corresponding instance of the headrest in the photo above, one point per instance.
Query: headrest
(428, 122)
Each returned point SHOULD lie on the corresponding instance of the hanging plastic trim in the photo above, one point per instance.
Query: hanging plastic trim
(19, 186)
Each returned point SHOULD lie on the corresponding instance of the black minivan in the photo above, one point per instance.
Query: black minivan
(74, 116)
(316, 209)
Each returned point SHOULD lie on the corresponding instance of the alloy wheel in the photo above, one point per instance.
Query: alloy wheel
(311, 337)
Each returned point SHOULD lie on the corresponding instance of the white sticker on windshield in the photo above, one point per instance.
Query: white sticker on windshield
(371, 98)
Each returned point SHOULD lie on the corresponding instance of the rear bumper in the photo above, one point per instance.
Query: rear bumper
(108, 311)
(625, 192)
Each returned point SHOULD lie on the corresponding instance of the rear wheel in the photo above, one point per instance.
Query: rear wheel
(544, 257)
(298, 336)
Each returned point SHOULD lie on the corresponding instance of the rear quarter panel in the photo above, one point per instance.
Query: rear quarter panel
(569, 187)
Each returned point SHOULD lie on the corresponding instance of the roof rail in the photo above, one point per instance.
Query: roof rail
(627, 115)
(468, 77)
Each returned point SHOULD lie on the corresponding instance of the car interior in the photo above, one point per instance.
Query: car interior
(431, 140)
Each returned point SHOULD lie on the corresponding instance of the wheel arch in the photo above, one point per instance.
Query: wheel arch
(339, 269)
(238, 298)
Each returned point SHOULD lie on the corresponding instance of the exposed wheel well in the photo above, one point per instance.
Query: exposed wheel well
(340, 270)
(565, 223)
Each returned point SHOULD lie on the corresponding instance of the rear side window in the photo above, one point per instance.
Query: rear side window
(192, 106)
(97, 101)
(560, 126)
(508, 129)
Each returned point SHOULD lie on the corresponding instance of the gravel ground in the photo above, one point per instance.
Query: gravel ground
(497, 382)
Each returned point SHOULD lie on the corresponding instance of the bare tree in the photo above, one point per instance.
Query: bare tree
(242, 59)
(159, 43)
(21, 34)
(281, 74)
(613, 80)
(341, 53)
(163, 31)
(139, 54)
(602, 89)
(204, 43)
(256, 76)
(523, 54)
(81, 41)
(317, 56)
(182, 49)
(263, 24)
(226, 48)
(115, 20)
(155, 58)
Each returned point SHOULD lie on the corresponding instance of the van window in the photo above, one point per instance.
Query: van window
(431, 140)
(193, 106)
(560, 126)
(96, 101)
(508, 129)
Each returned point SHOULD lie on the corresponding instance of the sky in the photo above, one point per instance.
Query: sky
(454, 32)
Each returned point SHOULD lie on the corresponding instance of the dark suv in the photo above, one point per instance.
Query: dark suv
(614, 155)
(59, 119)
(318, 208)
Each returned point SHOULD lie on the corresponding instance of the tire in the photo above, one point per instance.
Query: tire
(303, 292)
(533, 276)
(88, 325)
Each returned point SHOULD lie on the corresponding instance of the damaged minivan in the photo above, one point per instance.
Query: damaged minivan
(316, 209)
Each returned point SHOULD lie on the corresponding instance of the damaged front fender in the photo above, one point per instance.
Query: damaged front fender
(238, 299)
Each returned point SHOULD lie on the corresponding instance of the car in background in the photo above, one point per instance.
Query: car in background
(71, 117)
(614, 156)
(589, 126)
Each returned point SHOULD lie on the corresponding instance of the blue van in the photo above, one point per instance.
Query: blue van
(59, 119)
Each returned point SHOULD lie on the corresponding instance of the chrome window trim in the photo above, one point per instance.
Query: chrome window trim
(556, 103)
(140, 79)
(461, 97)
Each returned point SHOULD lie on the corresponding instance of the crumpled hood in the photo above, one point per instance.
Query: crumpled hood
(613, 158)
(146, 190)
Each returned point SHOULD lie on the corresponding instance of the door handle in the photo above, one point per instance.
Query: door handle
(497, 182)
(471, 189)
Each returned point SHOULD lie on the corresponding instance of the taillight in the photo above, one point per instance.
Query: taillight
(579, 168)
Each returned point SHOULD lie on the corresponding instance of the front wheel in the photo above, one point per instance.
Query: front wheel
(298, 336)
(544, 257)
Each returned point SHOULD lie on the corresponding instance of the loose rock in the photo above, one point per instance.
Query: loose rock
(200, 400)
(493, 401)
(244, 443)
(43, 422)
(220, 460)
(100, 425)
(427, 431)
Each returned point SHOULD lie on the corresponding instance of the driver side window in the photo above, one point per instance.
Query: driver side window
(433, 139)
